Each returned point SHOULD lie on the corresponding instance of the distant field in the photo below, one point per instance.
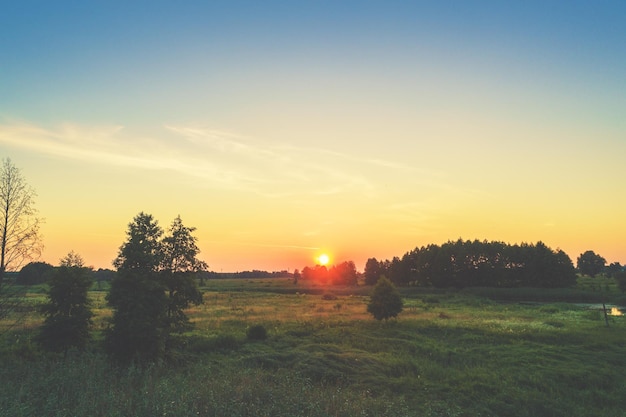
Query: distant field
(462, 353)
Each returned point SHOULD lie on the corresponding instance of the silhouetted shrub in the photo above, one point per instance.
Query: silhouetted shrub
(256, 332)
(328, 296)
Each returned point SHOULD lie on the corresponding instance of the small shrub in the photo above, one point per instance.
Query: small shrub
(256, 332)
(385, 301)
(329, 296)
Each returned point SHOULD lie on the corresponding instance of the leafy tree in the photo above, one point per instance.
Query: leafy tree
(137, 295)
(34, 273)
(68, 313)
(385, 301)
(20, 239)
(589, 263)
(179, 266)
(372, 271)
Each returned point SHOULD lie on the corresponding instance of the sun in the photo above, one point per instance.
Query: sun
(323, 259)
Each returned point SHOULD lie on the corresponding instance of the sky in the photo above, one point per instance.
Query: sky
(282, 130)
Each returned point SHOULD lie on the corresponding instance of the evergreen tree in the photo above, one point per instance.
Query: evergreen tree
(155, 282)
(68, 313)
(137, 296)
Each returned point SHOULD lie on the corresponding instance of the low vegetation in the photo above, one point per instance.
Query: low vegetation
(448, 353)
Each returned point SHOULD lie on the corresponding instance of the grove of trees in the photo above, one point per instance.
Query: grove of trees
(154, 284)
(468, 263)
(344, 273)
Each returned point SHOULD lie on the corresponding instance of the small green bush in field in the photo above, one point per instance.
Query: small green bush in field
(386, 301)
(256, 332)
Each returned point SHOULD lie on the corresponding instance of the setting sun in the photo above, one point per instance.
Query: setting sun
(323, 259)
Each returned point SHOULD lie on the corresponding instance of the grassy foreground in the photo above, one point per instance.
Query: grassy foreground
(448, 354)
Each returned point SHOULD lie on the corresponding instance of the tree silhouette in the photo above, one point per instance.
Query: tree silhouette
(372, 271)
(589, 263)
(68, 313)
(155, 282)
(20, 240)
(137, 296)
(179, 266)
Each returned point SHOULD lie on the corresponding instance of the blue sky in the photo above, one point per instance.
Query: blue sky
(339, 125)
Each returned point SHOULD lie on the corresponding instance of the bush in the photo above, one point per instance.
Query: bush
(256, 332)
(385, 301)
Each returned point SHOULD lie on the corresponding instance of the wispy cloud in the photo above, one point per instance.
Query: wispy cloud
(212, 158)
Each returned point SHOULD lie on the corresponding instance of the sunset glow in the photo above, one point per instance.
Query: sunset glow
(323, 259)
(281, 130)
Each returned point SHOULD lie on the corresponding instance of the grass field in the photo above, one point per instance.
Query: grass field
(478, 352)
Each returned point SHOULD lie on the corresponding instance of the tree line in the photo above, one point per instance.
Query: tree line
(344, 273)
(467, 263)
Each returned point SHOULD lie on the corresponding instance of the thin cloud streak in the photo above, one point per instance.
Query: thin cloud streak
(219, 159)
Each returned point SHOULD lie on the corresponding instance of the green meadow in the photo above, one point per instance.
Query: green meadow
(479, 352)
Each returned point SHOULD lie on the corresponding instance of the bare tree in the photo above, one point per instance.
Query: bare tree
(20, 239)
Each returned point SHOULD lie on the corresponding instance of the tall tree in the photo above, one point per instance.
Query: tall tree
(589, 263)
(20, 239)
(137, 295)
(179, 265)
(372, 271)
(68, 313)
